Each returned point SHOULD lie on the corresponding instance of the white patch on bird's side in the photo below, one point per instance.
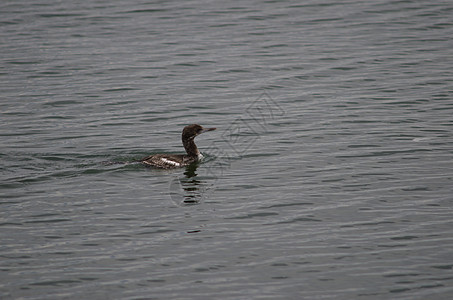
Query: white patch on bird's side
(200, 156)
(167, 161)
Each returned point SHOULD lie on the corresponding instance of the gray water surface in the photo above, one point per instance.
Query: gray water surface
(329, 175)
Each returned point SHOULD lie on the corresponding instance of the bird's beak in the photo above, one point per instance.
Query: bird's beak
(206, 130)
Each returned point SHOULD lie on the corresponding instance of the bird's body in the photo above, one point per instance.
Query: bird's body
(169, 161)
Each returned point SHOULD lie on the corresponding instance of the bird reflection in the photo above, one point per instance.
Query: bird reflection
(188, 190)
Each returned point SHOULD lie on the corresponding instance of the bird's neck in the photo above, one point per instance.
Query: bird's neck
(191, 148)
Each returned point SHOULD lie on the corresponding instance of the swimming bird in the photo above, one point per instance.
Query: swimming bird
(169, 161)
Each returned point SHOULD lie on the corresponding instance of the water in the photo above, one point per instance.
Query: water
(329, 176)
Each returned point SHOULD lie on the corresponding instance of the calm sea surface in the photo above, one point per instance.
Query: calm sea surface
(330, 174)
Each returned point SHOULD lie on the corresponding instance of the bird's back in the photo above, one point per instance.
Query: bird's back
(168, 161)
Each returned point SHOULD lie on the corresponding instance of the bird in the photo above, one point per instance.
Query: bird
(170, 161)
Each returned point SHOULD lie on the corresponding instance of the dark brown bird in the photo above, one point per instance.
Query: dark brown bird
(169, 161)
